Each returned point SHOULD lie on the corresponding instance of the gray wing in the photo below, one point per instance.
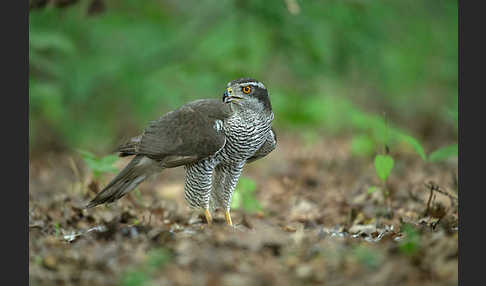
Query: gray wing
(182, 136)
(266, 148)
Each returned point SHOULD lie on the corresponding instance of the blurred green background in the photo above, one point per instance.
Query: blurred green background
(100, 70)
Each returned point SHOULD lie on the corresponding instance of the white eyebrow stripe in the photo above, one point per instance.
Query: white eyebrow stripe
(253, 83)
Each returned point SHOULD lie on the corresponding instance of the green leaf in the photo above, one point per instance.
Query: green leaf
(158, 257)
(362, 145)
(143, 274)
(368, 256)
(244, 196)
(414, 143)
(86, 154)
(135, 278)
(99, 165)
(372, 189)
(444, 153)
(411, 243)
(109, 160)
(383, 165)
(236, 200)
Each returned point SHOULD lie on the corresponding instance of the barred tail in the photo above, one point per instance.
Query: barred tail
(128, 179)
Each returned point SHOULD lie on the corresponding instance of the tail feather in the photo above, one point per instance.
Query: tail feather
(129, 148)
(128, 179)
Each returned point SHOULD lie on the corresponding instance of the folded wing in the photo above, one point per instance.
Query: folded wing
(182, 136)
(266, 148)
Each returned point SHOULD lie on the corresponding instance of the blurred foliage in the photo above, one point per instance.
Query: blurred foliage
(331, 66)
(362, 145)
(409, 245)
(444, 153)
(99, 165)
(371, 258)
(244, 196)
(373, 189)
(142, 274)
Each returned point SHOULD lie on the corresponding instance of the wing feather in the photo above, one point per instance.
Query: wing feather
(266, 148)
(182, 136)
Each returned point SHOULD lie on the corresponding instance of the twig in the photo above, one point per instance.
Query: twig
(438, 189)
(431, 188)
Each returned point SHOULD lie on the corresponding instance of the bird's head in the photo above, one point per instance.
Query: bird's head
(247, 92)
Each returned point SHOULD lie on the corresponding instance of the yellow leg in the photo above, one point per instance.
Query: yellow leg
(227, 216)
(208, 216)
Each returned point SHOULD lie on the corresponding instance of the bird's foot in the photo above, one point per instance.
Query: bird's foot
(208, 216)
(227, 216)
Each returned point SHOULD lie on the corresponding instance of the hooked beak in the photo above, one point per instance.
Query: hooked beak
(228, 95)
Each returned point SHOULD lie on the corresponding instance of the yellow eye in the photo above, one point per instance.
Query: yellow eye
(246, 89)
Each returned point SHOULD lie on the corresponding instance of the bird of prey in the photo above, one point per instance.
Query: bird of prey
(213, 139)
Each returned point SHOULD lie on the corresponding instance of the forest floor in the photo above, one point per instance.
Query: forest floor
(319, 224)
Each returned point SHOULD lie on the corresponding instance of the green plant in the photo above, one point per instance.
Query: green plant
(384, 165)
(378, 131)
(244, 196)
(135, 278)
(373, 189)
(141, 275)
(57, 228)
(158, 257)
(99, 165)
(368, 257)
(412, 142)
(436, 156)
(410, 244)
(362, 145)
(444, 153)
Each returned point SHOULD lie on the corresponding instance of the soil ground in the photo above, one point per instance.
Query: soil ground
(319, 225)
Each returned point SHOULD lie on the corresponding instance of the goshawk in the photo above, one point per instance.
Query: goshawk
(213, 139)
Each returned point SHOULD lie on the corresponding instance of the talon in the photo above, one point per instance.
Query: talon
(227, 216)
(208, 216)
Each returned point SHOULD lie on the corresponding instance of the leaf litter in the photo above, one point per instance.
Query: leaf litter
(316, 223)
